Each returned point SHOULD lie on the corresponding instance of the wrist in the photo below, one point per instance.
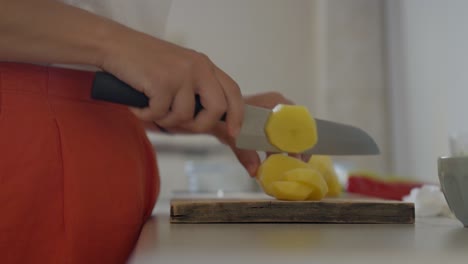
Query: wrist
(109, 40)
(119, 41)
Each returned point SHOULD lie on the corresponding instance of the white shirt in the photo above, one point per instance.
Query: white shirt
(148, 16)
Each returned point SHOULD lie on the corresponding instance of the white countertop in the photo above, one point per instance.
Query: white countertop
(429, 240)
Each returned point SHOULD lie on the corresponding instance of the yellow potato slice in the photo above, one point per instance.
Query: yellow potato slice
(324, 165)
(290, 191)
(321, 162)
(291, 128)
(311, 178)
(273, 169)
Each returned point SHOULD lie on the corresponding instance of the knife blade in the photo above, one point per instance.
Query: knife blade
(333, 138)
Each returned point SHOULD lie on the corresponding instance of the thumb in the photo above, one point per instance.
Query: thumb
(248, 158)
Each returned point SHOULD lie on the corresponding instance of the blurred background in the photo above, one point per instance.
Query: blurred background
(395, 68)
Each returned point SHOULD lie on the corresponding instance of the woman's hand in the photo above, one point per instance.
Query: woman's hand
(51, 32)
(171, 76)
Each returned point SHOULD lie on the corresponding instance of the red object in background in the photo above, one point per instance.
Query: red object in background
(380, 188)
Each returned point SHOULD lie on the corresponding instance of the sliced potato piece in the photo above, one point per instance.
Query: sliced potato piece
(321, 162)
(311, 178)
(315, 196)
(273, 169)
(324, 165)
(290, 191)
(291, 128)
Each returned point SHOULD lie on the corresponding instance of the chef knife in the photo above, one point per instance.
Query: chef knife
(333, 138)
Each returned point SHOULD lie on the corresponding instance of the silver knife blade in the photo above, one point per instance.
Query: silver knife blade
(333, 138)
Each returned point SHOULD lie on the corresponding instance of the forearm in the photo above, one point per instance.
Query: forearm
(48, 31)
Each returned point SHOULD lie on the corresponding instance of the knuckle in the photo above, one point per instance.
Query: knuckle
(202, 127)
(202, 60)
(147, 86)
(185, 117)
(164, 122)
(147, 118)
(203, 57)
(196, 128)
(234, 88)
(144, 115)
(157, 115)
(218, 109)
(175, 119)
(155, 82)
(178, 118)
(187, 64)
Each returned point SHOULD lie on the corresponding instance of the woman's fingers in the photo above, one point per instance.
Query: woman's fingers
(214, 103)
(234, 100)
(248, 158)
(171, 76)
(181, 110)
(159, 106)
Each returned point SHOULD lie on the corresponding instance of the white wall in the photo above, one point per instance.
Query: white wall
(263, 44)
(351, 68)
(428, 42)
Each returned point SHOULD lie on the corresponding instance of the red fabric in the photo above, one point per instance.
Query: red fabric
(78, 178)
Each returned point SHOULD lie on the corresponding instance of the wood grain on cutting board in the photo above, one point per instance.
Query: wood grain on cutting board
(348, 211)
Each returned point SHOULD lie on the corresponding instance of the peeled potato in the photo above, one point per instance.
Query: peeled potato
(291, 128)
(273, 169)
(310, 177)
(324, 165)
(321, 162)
(290, 191)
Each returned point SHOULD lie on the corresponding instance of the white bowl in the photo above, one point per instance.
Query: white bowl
(453, 177)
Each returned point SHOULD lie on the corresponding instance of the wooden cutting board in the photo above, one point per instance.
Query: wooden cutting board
(345, 210)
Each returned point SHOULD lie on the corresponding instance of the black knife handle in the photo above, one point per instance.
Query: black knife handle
(109, 88)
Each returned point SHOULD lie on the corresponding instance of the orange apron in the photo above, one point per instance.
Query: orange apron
(78, 178)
